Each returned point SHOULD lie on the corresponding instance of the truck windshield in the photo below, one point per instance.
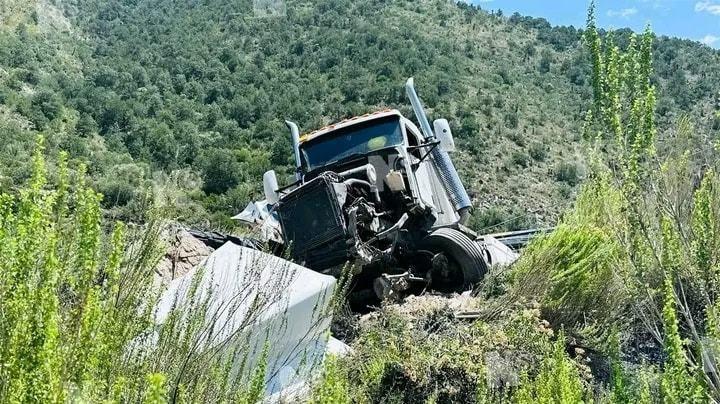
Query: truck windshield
(353, 140)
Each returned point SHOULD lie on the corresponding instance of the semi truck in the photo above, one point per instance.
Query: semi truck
(380, 195)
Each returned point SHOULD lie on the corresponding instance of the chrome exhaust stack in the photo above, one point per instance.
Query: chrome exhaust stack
(446, 169)
(295, 133)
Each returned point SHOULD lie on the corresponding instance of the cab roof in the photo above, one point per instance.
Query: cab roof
(349, 122)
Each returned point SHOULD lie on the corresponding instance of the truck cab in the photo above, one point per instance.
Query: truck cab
(393, 146)
(377, 193)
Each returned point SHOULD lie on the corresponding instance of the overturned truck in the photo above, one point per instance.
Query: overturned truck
(376, 194)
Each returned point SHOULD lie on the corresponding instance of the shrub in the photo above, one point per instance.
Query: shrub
(520, 159)
(65, 318)
(220, 170)
(511, 119)
(333, 386)
(557, 382)
(156, 390)
(116, 192)
(678, 383)
(567, 172)
(77, 308)
(564, 190)
(571, 272)
(538, 151)
(506, 76)
(418, 352)
(495, 220)
(518, 138)
(640, 228)
(546, 60)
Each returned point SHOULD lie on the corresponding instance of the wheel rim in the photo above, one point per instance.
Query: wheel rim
(446, 274)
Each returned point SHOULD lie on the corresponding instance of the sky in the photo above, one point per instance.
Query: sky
(692, 19)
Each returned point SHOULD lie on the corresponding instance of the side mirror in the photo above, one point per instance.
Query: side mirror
(444, 135)
(270, 186)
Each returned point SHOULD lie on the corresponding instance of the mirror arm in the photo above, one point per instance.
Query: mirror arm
(431, 145)
(425, 144)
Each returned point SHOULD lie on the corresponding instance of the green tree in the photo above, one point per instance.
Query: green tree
(220, 170)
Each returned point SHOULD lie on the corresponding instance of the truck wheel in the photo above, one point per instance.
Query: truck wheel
(458, 262)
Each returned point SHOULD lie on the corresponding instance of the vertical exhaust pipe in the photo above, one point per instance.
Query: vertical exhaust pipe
(448, 174)
(418, 108)
(295, 133)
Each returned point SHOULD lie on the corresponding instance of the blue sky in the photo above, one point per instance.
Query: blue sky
(693, 19)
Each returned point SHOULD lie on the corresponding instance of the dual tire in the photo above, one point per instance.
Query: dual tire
(458, 262)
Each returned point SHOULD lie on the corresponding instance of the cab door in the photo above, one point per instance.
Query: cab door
(428, 185)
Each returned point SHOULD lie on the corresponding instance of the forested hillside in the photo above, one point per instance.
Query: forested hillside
(116, 109)
(184, 100)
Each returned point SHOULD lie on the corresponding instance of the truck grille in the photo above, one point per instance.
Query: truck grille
(313, 224)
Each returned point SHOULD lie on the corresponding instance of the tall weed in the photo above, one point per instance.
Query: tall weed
(644, 230)
(78, 308)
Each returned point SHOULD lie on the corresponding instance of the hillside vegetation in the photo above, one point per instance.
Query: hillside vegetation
(178, 107)
(184, 101)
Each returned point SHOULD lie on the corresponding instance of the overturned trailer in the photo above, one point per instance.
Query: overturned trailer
(248, 308)
(381, 195)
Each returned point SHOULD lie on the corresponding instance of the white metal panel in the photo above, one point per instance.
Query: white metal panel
(256, 298)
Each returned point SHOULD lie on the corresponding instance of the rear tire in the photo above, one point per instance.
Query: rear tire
(466, 261)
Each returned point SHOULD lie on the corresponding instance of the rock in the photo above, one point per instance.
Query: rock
(184, 253)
